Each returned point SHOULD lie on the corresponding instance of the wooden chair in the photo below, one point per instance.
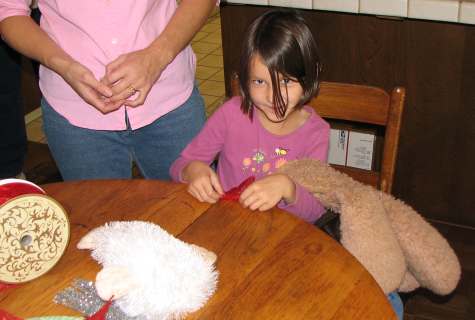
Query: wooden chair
(364, 105)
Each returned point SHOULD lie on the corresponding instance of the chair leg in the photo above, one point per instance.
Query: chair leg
(330, 224)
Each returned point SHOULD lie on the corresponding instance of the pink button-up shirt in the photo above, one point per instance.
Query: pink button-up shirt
(95, 32)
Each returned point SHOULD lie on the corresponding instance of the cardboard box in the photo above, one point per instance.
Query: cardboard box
(354, 145)
(338, 146)
(361, 146)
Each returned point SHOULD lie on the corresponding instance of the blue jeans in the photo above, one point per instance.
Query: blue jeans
(100, 154)
(396, 303)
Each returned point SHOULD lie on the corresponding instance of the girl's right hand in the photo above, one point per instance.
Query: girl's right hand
(82, 80)
(203, 182)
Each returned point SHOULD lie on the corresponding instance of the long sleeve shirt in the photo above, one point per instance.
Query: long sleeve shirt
(245, 148)
(94, 33)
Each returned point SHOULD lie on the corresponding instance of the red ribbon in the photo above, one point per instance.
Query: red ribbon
(12, 189)
(6, 316)
(234, 193)
(101, 313)
(6, 286)
(9, 190)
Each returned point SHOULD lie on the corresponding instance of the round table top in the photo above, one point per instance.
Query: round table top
(272, 265)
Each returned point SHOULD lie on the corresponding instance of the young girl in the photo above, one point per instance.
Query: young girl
(270, 125)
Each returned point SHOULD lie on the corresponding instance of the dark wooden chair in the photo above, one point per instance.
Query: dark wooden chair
(364, 105)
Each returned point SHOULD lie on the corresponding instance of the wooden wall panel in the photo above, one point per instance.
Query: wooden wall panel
(462, 200)
(434, 61)
(433, 74)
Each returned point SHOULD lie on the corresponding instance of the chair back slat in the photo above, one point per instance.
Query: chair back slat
(351, 102)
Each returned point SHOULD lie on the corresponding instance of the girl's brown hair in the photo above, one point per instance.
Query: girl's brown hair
(286, 46)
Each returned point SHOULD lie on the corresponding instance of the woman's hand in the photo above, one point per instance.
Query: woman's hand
(94, 92)
(265, 193)
(133, 75)
(203, 182)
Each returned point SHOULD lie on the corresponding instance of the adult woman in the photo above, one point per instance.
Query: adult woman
(117, 79)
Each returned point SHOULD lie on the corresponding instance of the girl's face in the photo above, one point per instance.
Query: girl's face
(260, 89)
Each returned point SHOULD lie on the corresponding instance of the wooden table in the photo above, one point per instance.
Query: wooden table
(272, 265)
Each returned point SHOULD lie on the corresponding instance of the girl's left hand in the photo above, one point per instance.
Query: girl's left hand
(265, 193)
(134, 74)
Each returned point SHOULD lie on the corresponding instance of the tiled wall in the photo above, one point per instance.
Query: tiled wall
(462, 11)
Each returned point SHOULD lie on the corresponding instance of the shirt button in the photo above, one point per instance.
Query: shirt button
(114, 41)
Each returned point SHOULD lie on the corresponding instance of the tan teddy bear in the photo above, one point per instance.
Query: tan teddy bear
(397, 246)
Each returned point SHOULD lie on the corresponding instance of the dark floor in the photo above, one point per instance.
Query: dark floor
(419, 305)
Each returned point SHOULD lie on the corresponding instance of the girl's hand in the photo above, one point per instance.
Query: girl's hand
(265, 193)
(133, 75)
(82, 80)
(203, 182)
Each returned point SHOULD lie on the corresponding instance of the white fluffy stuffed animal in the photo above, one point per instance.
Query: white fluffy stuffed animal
(149, 272)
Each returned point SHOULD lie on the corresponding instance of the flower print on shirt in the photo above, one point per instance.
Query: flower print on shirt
(259, 157)
(255, 162)
(259, 163)
(280, 162)
(246, 162)
(266, 167)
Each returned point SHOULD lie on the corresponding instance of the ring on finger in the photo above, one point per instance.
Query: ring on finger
(132, 90)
